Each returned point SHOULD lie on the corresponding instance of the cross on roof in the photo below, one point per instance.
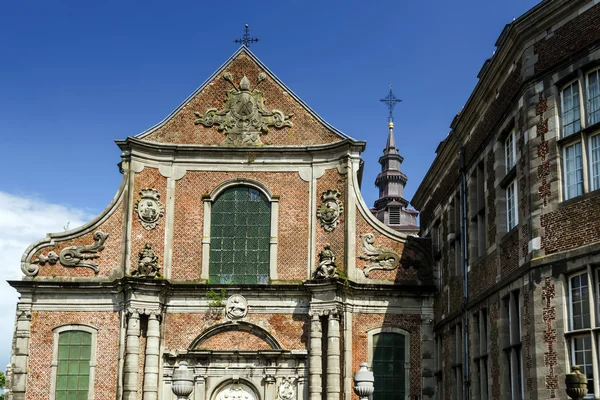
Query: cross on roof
(246, 39)
(391, 101)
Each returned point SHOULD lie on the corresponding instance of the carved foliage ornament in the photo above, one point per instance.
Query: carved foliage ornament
(72, 256)
(244, 117)
(286, 390)
(236, 307)
(236, 392)
(147, 263)
(327, 268)
(330, 210)
(148, 208)
(381, 258)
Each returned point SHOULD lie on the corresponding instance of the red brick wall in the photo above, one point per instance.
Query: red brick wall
(306, 129)
(331, 180)
(509, 253)
(290, 330)
(189, 213)
(148, 178)
(109, 259)
(494, 351)
(361, 323)
(571, 226)
(41, 348)
(482, 275)
(234, 340)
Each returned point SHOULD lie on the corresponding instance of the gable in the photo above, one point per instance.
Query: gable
(214, 113)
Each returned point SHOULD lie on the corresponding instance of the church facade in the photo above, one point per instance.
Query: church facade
(237, 260)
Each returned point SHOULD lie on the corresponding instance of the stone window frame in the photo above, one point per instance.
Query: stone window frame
(582, 137)
(56, 334)
(512, 369)
(512, 205)
(210, 198)
(399, 331)
(592, 274)
(457, 377)
(480, 354)
(510, 154)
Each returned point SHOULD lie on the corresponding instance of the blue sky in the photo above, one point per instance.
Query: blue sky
(76, 75)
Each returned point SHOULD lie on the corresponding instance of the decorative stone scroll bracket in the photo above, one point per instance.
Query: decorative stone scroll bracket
(70, 257)
(381, 258)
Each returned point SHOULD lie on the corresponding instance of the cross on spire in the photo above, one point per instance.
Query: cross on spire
(246, 39)
(391, 101)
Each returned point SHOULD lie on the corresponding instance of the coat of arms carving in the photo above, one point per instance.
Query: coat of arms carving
(244, 117)
(330, 210)
(148, 208)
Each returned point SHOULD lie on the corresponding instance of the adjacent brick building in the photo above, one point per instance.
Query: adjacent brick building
(238, 243)
(530, 137)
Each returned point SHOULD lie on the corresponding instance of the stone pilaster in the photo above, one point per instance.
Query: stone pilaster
(199, 388)
(18, 378)
(132, 356)
(152, 358)
(315, 363)
(270, 389)
(333, 355)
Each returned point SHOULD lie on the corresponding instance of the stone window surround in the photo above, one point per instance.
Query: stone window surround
(582, 136)
(480, 354)
(391, 329)
(210, 199)
(56, 333)
(512, 380)
(512, 203)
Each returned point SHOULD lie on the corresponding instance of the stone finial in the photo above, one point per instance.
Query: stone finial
(363, 382)
(576, 383)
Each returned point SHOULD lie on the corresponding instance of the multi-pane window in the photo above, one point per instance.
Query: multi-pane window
(573, 165)
(439, 367)
(595, 162)
(458, 251)
(512, 218)
(480, 355)
(457, 364)
(593, 97)
(389, 366)
(240, 237)
(477, 228)
(571, 118)
(511, 345)
(73, 370)
(510, 151)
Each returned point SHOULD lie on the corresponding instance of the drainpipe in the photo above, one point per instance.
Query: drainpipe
(463, 233)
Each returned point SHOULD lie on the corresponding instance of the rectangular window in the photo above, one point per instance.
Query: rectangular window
(579, 302)
(457, 381)
(512, 218)
(573, 164)
(394, 215)
(570, 109)
(510, 151)
(593, 93)
(595, 162)
(73, 371)
(511, 339)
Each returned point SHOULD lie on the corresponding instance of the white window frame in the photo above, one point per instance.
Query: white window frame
(512, 205)
(592, 162)
(56, 334)
(565, 171)
(510, 151)
(562, 104)
(392, 329)
(588, 112)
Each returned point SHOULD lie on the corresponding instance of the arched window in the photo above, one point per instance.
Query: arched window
(240, 232)
(389, 363)
(74, 362)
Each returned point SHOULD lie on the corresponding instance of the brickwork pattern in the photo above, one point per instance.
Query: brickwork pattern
(527, 344)
(109, 259)
(543, 149)
(509, 253)
(290, 330)
(447, 182)
(234, 340)
(189, 213)
(523, 191)
(42, 343)
(494, 351)
(491, 197)
(550, 356)
(570, 38)
(483, 275)
(306, 130)
(397, 275)
(571, 226)
(331, 180)
(148, 178)
(362, 323)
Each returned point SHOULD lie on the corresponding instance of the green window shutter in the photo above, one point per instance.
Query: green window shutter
(73, 371)
(240, 231)
(389, 366)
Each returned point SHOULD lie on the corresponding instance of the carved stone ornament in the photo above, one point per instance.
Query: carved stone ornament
(244, 117)
(148, 208)
(330, 210)
(236, 307)
(286, 390)
(381, 258)
(327, 268)
(236, 392)
(72, 256)
(147, 263)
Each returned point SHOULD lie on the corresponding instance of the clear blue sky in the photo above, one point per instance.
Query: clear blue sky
(75, 75)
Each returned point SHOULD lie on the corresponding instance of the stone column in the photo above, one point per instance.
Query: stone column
(132, 356)
(333, 356)
(315, 362)
(20, 355)
(270, 387)
(152, 356)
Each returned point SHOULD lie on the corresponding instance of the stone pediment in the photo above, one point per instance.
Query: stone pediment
(243, 104)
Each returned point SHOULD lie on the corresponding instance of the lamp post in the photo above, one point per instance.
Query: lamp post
(363, 382)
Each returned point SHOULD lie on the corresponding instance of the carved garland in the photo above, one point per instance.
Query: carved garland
(72, 256)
